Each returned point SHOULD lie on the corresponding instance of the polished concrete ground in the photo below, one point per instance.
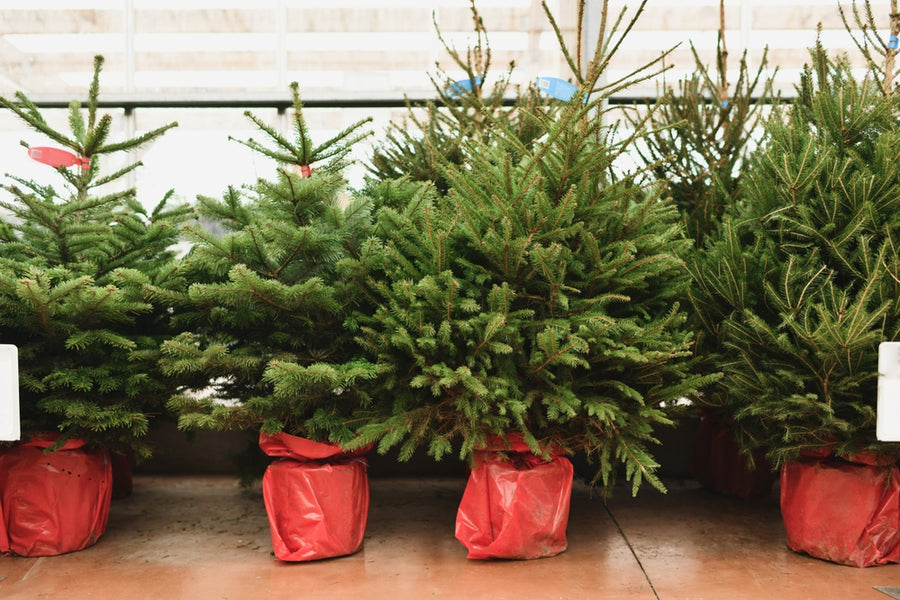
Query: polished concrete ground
(184, 537)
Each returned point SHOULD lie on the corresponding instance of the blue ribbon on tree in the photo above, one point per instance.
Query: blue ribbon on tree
(557, 88)
(462, 87)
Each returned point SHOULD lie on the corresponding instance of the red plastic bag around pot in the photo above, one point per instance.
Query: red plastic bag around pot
(842, 512)
(515, 508)
(316, 496)
(53, 503)
(716, 462)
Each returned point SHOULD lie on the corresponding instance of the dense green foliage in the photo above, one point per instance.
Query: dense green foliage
(264, 318)
(701, 138)
(803, 282)
(502, 272)
(538, 295)
(73, 259)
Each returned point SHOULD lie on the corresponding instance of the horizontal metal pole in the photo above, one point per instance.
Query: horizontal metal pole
(226, 100)
(281, 102)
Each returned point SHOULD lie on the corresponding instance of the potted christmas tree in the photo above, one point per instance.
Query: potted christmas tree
(264, 343)
(72, 258)
(528, 313)
(701, 138)
(805, 278)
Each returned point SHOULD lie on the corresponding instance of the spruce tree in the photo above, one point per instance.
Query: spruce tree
(263, 343)
(538, 296)
(880, 53)
(703, 134)
(434, 133)
(73, 259)
(700, 142)
(803, 283)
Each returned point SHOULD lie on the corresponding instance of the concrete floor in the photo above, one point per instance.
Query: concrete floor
(198, 538)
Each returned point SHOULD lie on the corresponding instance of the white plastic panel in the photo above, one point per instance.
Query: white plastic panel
(9, 393)
(887, 428)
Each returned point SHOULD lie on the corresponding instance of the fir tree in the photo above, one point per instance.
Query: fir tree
(264, 320)
(702, 135)
(880, 54)
(802, 286)
(73, 257)
(435, 132)
(701, 138)
(537, 296)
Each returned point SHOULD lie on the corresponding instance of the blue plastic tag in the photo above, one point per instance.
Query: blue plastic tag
(556, 88)
(461, 87)
(892, 42)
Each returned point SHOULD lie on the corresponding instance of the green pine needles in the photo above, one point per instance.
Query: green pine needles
(435, 133)
(803, 283)
(703, 134)
(538, 296)
(73, 260)
(264, 342)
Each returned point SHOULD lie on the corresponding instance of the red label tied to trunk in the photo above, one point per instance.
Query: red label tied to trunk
(56, 157)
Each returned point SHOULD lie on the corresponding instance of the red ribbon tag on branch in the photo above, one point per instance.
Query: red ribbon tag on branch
(56, 157)
(305, 171)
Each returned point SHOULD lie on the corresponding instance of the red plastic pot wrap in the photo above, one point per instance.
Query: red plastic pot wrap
(843, 512)
(316, 496)
(717, 463)
(53, 503)
(515, 507)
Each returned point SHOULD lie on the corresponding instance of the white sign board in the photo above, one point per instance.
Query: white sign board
(887, 424)
(9, 393)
